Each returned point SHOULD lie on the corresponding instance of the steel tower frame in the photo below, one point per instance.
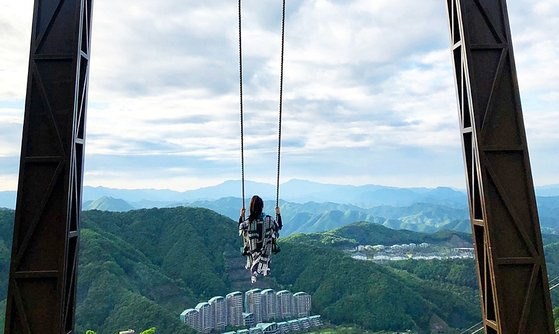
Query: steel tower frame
(509, 253)
(43, 269)
(512, 275)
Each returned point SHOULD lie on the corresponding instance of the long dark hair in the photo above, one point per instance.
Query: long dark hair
(256, 206)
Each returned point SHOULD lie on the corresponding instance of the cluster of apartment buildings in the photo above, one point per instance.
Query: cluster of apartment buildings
(423, 251)
(290, 326)
(252, 309)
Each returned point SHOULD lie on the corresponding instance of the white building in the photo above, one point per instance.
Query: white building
(248, 320)
(285, 304)
(283, 327)
(305, 323)
(315, 321)
(269, 328)
(302, 304)
(206, 317)
(269, 304)
(235, 308)
(219, 311)
(191, 317)
(253, 304)
(379, 247)
(294, 325)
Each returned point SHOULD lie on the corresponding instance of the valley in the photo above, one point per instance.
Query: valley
(361, 265)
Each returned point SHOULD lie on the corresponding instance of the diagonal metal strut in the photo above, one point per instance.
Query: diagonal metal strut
(43, 269)
(510, 261)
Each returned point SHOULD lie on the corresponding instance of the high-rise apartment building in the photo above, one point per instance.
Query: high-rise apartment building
(269, 304)
(234, 302)
(206, 317)
(257, 310)
(253, 304)
(285, 304)
(302, 303)
(218, 307)
(191, 317)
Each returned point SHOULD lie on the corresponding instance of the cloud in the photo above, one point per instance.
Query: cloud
(10, 131)
(15, 34)
(369, 93)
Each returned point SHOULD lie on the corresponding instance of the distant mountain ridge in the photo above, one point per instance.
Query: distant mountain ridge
(297, 191)
(107, 203)
(548, 190)
(313, 207)
(318, 217)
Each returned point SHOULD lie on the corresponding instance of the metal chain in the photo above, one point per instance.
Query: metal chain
(241, 107)
(280, 101)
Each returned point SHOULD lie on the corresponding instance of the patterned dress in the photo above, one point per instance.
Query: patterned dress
(259, 237)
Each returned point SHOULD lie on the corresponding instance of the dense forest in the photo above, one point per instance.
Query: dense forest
(140, 269)
(6, 221)
(347, 291)
(368, 233)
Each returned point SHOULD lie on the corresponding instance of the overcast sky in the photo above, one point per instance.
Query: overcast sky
(369, 95)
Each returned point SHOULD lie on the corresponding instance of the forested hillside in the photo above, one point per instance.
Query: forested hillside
(6, 221)
(140, 269)
(375, 297)
(319, 217)
(107, 203)
(369, 233)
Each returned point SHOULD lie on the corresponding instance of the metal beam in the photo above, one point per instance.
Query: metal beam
(42, 283)
(509, 253)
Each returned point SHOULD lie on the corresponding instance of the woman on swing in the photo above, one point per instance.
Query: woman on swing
(259, 232)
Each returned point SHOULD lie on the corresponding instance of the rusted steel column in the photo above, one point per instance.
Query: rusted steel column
(42, 284)
(509, 252)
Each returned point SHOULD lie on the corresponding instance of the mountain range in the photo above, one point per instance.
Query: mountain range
(158, 262)
(314, 207)
(297, 191)
(318, 217)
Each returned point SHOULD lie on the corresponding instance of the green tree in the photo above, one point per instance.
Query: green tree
(149, 331)
(89, 331)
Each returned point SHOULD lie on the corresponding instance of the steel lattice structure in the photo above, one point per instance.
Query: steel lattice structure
(42, 284)
(509, 252)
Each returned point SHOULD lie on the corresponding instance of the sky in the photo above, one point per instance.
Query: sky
(369, 96)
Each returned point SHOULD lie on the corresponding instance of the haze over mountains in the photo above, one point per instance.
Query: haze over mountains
(298, 191)
(316, 207)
